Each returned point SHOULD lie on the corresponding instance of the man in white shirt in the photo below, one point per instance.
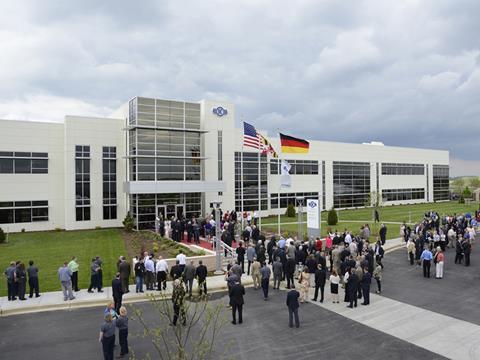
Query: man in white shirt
(182, 260)
(162, 271)
(348, 238)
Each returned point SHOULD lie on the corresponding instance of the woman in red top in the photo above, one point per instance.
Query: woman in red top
(439, 260)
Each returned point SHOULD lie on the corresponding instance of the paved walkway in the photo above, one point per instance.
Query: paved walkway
(441, 334)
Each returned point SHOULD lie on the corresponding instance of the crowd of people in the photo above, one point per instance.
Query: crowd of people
(427, 242)
(342, 259)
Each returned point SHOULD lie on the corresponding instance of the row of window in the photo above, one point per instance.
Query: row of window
(13, 212)
(298, 167)
(403, 194)
(82, 183)
(290, 198)
(247, 188)
(145, 207)
(351, 184)
(146, 112)
(441, 182)
(109, 163)
(402, 169)
(23, 162)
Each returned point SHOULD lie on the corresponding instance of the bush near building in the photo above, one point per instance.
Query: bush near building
(332, 218)
(290, 211)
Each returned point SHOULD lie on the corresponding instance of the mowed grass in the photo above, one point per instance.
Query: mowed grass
(352, 219)
(50, 249)
(396, 213)
(393, 230)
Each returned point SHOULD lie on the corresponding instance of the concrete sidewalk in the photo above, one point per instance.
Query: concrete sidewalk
(49, 301)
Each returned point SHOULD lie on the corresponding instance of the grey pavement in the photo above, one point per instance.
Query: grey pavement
(456, 295)
(264, 334)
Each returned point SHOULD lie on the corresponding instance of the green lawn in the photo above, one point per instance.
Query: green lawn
(393, 230)
(50, 249)
(352, 219)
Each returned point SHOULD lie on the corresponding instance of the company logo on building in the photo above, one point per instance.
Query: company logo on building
(312, 204)
(220, 111)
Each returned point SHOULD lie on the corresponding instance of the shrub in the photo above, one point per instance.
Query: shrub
(332, 217)
(467, 193)
(128, 222)
(2, 236)
(290, 211)
(461, 200)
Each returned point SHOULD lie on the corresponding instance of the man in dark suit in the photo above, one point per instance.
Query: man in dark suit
(289, 272)
(293, 305)
(365, 283)
(201, 274)
(383, 234)
(117, 292)
(124, 269)
(236, 301)
(176, 271)
(352, 289)
(320, 278)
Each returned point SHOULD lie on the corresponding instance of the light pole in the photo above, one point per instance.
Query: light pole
(218, 248)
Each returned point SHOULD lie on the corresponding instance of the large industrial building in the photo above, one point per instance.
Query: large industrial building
(173, 158)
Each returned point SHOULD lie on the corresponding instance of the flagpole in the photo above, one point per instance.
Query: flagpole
(279, 184)
(241, 177)
(259, 188)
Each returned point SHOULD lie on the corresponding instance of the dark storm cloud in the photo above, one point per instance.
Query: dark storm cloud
(406, 73)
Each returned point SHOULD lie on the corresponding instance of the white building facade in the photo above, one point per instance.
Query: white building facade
(173, 158)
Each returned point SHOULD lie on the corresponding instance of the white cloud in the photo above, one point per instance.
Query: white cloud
(48, 108)
(406, 73)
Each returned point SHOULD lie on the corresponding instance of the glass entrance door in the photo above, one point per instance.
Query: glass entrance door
(179, 211)
(161, 211)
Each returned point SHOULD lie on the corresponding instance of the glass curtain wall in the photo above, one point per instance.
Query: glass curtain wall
(351, 184)
(250, 181)
(441, 182)
(144, 207)
(164, 144)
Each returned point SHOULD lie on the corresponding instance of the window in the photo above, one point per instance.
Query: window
(13, 212)
(441, 182)
(402, 169)
(144, 207)
(23, 162)
(324, 191)
(82, 182)
(298, 167)
(109, 164)
(403, 194)
(220, 155)
(251, 181)
(164, 140)
(351, 184)
(289, 198)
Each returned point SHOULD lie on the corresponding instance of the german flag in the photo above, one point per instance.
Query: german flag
(293, 145)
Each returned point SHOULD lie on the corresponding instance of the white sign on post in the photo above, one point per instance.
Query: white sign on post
(313, 214)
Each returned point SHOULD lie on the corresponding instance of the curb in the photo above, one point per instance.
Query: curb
(72, 305)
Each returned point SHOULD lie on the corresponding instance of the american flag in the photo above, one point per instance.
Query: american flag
(250, 136)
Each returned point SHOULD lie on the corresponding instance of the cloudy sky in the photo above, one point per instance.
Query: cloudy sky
(403, 72)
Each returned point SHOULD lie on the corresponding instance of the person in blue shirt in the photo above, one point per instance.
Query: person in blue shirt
(426, 259)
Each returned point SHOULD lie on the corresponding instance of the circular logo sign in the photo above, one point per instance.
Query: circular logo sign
(220, 111)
